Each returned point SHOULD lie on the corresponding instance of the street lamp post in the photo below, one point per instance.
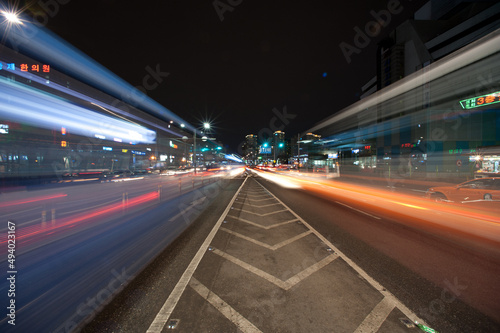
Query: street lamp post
(206, 126)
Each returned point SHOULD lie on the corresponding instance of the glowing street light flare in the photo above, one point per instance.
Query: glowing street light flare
(11, 17)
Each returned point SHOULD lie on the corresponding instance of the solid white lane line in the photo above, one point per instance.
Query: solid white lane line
(267, 246)
(387, 294)
(358, 210)
(228, 311)
(376, 318)
(162, 317)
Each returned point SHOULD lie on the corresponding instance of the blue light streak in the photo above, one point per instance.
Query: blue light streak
(20, 103)
(46, 47)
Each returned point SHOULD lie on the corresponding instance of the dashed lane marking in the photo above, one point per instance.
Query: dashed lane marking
(358, 210)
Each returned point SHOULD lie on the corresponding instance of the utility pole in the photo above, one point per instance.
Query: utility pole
(194, 151)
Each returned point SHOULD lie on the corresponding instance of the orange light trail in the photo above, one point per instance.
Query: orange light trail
(477, 223)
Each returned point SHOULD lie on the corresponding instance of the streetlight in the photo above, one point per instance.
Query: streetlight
(206, 126)
(11, 17)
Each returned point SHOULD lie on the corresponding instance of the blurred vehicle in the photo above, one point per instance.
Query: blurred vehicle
(283, 167)
(477, 190)
(142, 172)
(171, 170)
(116, 174)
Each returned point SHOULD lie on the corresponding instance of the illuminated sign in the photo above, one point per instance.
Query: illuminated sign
(335, 155)
(138, 152)
(63, 131)
(454, 151)
(4, 129)
(408, 145)
(173, 145)
(264, 150)
(107, 148)
(124, 150)
(64, 143)
(476, 102)
(26, 67)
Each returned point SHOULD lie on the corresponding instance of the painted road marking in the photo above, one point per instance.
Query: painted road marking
(229, 312)
(377, 317)
(267, 246)
(265, 214)
(262, 206)
(260, 199)
(193, 204)
(358, 210)
(262, 226)
(163, 315)
(407, 312)
(285, 285)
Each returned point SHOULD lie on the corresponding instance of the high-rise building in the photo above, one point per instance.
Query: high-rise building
(251, 148)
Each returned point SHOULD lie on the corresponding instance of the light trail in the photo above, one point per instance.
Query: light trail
(431, 215)
(73, 221)
(47, 47)
(36, 199)
(26, 105)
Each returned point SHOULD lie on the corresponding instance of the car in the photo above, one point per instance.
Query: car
(476, 190)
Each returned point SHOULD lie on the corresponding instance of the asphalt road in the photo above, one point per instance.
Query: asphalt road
(67, 268)
(275, 259)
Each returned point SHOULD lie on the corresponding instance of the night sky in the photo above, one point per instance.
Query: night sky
(232, 72)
